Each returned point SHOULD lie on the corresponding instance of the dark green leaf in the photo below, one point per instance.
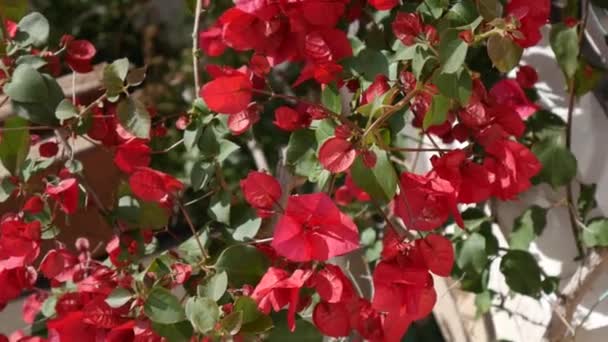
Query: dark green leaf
(522, 273)
(564, 42)
(483, 302)
(473, 218)
(35, 62)
(489, 9)
(214, 287)
(232, 322)
(33, 30)
(219, 207)
(559, 164)
(433, 8)
(65, 111)
(304, 332)
(114, 76)
(527, 227)
(208, 143)
(227, 148)
(6, 189)
(330, 97)
(239, 272)
(457, 86)
(369, 63)
(200, 174)
(203, 313)
(596, 233)
(586, 78)
(163, 307)
(550, 284)
(179, 332)
(15, 144)
(380, 182)
(135, 118)
(27, 85)
(504, 52)
(586, 199)
(438, 111)
(248, 307)
(452, 52)
(472, 254)
(462, 13)
(301, 142)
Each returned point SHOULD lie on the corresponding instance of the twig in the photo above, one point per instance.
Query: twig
(257, 153)
(392, 110)
(193, 230)
(176, 144)
(187, 204)
(195, 52)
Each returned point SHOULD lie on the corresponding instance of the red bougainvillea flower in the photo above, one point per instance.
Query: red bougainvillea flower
(438, 254)
(406, 27)
(152, 185)
(59, 265)
(383, 5)
(79, 54)
(278, 288)
(211, 41)
(289, 119)
(131, 155)
(48, 149)
(526, 76)
(240, 122)
(532, 15)
(472, 181)
(262, 192)
(228, 94)
(11, 28)
(20, 240)
(65, 193)
(33, 205)
(332, 284)
(507, 92)
(323, 73)
(513, 165)
(263, 9)
(377, 88)
(70, 327)
(32, 306)
(313, 228)
(14, 278)
(327, 45)
(337, 155)
(350, 192)
(332, 319)
(426, 202)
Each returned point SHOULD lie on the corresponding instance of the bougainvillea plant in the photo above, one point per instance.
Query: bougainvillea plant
(348, 85)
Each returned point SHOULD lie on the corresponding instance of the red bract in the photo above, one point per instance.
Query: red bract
(383, 5)
(70, 327)
(79, 54)
(438, 254)
(228, 95)
(508, 93)
(240, 122)
(20, 240)
(472, 181)
(332, 284)
(350, 192)
(32, 306)
(326, 45)
(323, 73)
(337, 155)
(527, 76)
(406, 27)
(289, 119)
(513, 165)
(376, 89)
(65, 193)
(11, 28)
(33, 205)
(532, 15)
(52, 264)
(14, 278)
(278, 288)
(48, 149)
(132, 155)
(332, 319)
(312, 228)
(152, 185)
(426, 202)
(211, 42)
(262, 192)
(264, 9)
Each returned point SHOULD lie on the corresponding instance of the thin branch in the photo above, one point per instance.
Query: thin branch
(193, 230)
(195, 52)
(392, 110)
(258, 154)
(176, 144)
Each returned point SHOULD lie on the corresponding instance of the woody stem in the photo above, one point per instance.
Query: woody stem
(388, 113)
(195, 29)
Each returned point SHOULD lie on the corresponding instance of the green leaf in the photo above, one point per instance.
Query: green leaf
(203, 313)
(119, 297)
(232, 322)
(586, 199)
(178, 332)
(452, 52)
(564, 42)
(369, 63)
(368, 236)
(380, 182)
(65, 111)
(301, 142)
(15, 144)
(504, 52)
(114, 76)
(48, 307)
(27, 85)
(330, 98)
(438, 111)
(201, 174)
(239, 272)
(190, 250)
(248, 229)
(433, 8)
(161, 306)
(227, 148)
(473, 218)
(304, 332)
(490, 9)
(596, 233)
(421, 57)
(522, 273)
(13, 9)
(402, 52)
(472, 254)
(457, 86)
(325, 130)
(134, 117)
(35, 62)
(208, 143)
(550, 284)
(42, 109)
(137, 76)
(152, 215)
(215, 287)
(6, 189)
(462, 13)
(527, 227)
(586, 78)
(219, 207)
(249, 308)
(483, 302)
(559, 164)
(192, 134)
(33, 30)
